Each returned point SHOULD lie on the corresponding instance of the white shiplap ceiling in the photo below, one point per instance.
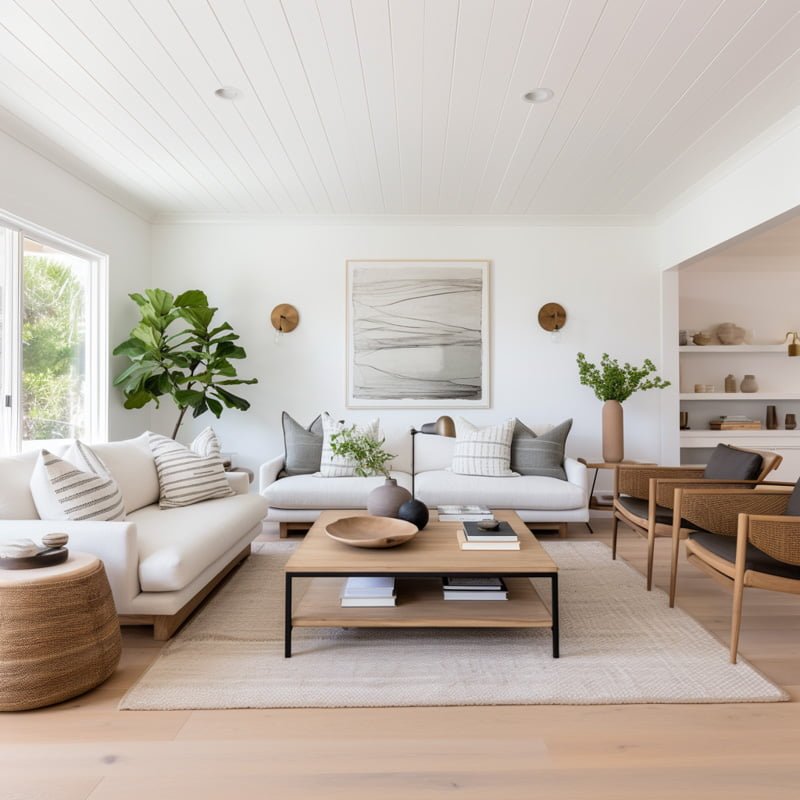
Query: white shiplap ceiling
(395, 106)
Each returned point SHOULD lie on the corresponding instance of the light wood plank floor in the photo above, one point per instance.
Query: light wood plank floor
(87, 749)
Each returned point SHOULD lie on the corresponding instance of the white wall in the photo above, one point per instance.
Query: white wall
(605, 277)
(35, 189)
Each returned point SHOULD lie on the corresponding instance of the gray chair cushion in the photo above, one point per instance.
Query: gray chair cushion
(728, 463)
(793, 506)
(302, 446)
(539, 455)
(755, 559)
(639, 508)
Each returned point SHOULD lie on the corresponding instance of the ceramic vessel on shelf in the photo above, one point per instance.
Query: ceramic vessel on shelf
(791, 422)
(385, 500)
(772, 418)
(728, 333)
(701, 338)
(730, 383)
(613, 432)
(749, 384)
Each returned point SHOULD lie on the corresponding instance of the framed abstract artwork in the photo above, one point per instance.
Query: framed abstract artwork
(418, 334)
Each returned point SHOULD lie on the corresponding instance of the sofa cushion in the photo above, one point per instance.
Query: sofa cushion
(302, 447)
(540, 455)
(331, 465)
(440, 487)
(132, 466)
(729, 463)
(206, 443)
(61, 491)
(16, 500)
(483, 451)
(314, 491)
(184, 477)
(177, 544)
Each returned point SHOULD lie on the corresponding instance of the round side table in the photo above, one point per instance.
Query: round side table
(59, 632)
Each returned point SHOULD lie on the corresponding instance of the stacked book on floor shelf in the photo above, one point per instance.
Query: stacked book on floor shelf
(474, 589)
(368, 593)
(472, 536)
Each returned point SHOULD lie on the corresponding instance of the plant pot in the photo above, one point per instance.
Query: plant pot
(613, 432)
(385, 500)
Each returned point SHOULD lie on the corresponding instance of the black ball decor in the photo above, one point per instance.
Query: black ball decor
(415, 512)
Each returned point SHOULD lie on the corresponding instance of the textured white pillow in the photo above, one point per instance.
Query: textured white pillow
(333, 466)
(483, 451)
(185, 477)
(206, 443)
(62, 491)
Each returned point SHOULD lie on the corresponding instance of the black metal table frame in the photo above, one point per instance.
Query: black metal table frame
(290, 576)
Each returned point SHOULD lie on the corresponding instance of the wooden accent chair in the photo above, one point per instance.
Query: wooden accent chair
(643, 494)
(749, 538)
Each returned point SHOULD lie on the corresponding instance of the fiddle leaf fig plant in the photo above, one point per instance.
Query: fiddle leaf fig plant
(174, 351)
(614, 381)
(368, 453)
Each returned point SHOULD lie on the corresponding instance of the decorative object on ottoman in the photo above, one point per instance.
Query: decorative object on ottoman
(371, 532)
(701, 339)
(791, 422)
(77, 642)
(26, 554)
(614, 383)
(728, 333)
(385, 501)
(415, 512)
(19, 548)
(772, 418)
(730, 383)
(749, 384)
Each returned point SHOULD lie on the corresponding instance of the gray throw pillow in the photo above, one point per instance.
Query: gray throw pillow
(540, 455)
(302, 446)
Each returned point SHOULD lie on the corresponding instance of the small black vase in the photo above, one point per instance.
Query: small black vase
(415, 512)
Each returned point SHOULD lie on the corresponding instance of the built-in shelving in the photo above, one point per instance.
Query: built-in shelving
(732, 349)
(740, 396)
(703, 438)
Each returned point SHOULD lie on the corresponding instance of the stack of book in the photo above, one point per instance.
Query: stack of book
(368, 593)
(471, 537)
(474, 589)
(735, 423)
(463, 513)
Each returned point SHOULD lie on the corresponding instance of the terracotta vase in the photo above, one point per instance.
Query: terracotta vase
(385, 500)
(613, 432)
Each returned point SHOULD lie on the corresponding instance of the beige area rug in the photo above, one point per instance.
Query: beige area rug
(619, 644)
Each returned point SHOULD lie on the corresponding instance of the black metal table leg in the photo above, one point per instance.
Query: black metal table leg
(554, 613)
(287, 631)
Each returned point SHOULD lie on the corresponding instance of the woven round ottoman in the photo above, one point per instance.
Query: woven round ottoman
(59, 632)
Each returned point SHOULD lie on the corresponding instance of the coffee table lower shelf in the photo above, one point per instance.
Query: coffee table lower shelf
(420, 604)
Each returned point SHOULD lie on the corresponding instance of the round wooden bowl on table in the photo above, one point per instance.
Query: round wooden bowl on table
(59, 632)
(372, 532)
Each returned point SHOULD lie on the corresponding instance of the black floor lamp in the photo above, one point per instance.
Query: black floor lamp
(444, 426)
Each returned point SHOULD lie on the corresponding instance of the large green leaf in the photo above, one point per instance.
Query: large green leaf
(131, 347)
(189, 397)
(138, 399)
(161, 301)
(194, 297)
(231, 400)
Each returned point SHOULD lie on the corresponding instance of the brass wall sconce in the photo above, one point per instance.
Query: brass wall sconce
(284, 318)
(552, 318)
(793, 348)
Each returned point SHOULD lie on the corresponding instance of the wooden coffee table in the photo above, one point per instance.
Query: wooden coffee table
(433, 553)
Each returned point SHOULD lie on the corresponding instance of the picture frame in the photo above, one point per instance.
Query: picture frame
(418, 333)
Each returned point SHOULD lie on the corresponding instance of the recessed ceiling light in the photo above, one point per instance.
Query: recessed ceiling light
(540, 95)
(227, 92)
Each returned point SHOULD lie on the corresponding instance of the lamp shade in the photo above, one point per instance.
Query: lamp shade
(446, 427)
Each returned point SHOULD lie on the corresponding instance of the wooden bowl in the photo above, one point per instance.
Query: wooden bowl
(371, 531)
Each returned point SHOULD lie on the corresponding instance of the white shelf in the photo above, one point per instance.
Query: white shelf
(707, 438)
(733, 348)
(740, 396)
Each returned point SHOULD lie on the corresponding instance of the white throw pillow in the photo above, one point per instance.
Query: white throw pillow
(185, 477)
(206, 443)
(331, 465)
(483, 451)
(62, 491)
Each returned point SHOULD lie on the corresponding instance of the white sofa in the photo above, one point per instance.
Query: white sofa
(549, 503)
(160, 563)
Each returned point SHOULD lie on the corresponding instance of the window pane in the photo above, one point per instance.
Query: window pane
(54, 292)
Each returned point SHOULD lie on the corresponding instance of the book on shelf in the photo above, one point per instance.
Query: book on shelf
(368, 602)
(503, 533)
(381, 586)
(453, 513)
(465, 544)
(735, 425)
(474, 589)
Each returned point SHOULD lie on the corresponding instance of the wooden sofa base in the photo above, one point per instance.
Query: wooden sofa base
(285, 528)
(165, 625)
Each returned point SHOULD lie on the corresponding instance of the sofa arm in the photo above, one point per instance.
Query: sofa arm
(238, 481)
(114, 543)
(577, 474)
(268, 473)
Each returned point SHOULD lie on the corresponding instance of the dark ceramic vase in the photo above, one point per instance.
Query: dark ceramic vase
(415, 512)
(387, 499)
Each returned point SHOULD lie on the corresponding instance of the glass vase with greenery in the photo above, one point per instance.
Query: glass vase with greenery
(368, 454)
(174, 351)
(614, 381)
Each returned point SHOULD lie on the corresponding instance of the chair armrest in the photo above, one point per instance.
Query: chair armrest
(664, 490)
(634, 479)
(718, 509)
(268, 472)
(238, 481)
(114, 543)
(577, 474)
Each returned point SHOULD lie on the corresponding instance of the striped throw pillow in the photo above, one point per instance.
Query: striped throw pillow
(184, 477)
(483, 451)
(62, 491)
(206, 443)
(333, 466)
